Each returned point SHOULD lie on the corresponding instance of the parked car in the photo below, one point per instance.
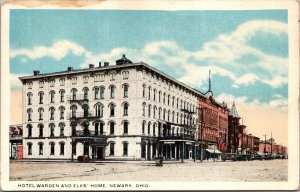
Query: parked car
(228, 156)
(257, 157)
(242, 157)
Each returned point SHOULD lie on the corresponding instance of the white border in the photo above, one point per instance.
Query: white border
(293, 92)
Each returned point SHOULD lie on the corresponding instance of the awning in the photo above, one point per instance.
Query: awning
(213, 151)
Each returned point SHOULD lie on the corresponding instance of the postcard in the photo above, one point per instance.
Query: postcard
(151, 95)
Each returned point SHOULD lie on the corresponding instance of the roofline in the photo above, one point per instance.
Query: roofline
(96, 69)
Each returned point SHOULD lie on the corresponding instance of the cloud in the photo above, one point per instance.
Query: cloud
(57, 51)
(15, 82)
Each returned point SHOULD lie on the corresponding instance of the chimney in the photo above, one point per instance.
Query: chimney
(36, 73)
(91, 66)
(106, 64)
(99, 64)
(70, 68)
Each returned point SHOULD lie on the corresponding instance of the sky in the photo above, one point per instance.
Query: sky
(246, 51)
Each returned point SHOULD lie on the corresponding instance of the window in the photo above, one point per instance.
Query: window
(169, 115)
(73, 111)
(125, 87)
(164, 99)
(102, 92)
(41, 95)
(112, 76)
(52, 94)
(125, 149)
(41, 130)
(73, 92)
(74, 80)
(125, 127)
(154, 94)
(112, 91)
(29, 95)
(85, 93)
(149, 127)
(154, 129)
(41, 145)
(125, 74)
(173, 100)
(62, 112)
(52, 145)
(52, 109)
(144, 91)
(99, 110)
(29, 114)
(112, 109)
(144, 106)
(29, 148)
(74, 148)
(41, 84)
(143, 127)
(112, 128)
(125, 109)
(29, 130)
(154, 112)
(149, 93)
(85, 79)
(112, 149)
(52, 83)
(41, 112)
(159, 93)
(62, 148)
(97, 95)
(62, 96)
(62, 81)
(29, 85)
(164, 114)
(51, 130)
(173, 116)
(149, 110)
(177, 102)
(62, 129)
(159, 113)
(177, 117)
(85, 110)
(168, 99)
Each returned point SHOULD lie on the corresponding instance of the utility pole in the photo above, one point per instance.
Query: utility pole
(271, 144)
(265, 143)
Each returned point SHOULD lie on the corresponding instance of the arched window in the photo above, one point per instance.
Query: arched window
(125, 127)
(41, 114)
(169, 112)
(73, 111)
(52, 148)
(149, 127)
(85, 110)
(62, 148)
(52, 109)
(125, 110)
(125, 87)
(29, 114)
(112, 91)
(29, 95)
(62, 112)
(159, 96)
(111, 148)
(112, 107)
(51, 129)
(173, 116)
(85, 93)
(168, 99)
(97, 93)
(102, 89)
(112, 127)
(99, 110)
(173, 101)
(144, 106)
(41, 130)
(154, 129)
(164, 114)
(177, 102)
(62, 96)
(154, 111)
(41, 95)
(52, 94)
(29, 148)
(181, 104)
(164, 99)
(73, 92)
(144, 90)
(41, 145)
(143, 127)
(149, 110)
(159, 113)
(149, 93)
(154, 94)
(29, 127)
(177, 117)
(125, 149)
(62, 129)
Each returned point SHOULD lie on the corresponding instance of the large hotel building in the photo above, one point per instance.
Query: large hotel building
(126, 111)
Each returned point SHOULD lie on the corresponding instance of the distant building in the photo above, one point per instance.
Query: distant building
(213, 129)
(15, 141)
(271, 147)
(128, 111)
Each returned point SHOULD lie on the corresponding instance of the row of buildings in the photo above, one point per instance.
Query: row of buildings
(129, 111)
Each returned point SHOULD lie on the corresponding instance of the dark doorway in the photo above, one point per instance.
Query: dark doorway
(86, 149)
(100, 152)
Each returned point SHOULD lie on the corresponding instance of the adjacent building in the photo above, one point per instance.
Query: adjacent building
(128, 111)
(15, 141)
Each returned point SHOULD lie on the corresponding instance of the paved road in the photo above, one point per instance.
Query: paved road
(272, 170)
